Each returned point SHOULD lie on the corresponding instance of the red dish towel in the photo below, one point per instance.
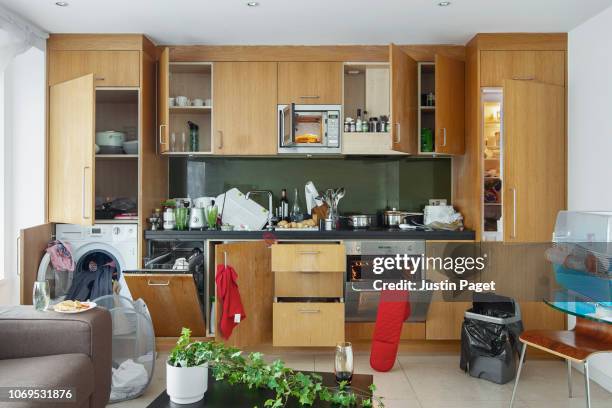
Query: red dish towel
(228, 300)
(393, 309)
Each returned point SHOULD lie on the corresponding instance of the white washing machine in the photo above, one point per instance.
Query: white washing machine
(114, 242)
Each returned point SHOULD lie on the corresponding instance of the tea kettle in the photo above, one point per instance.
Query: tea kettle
(196, 218)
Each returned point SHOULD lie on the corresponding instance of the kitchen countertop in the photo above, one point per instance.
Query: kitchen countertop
(391, 234)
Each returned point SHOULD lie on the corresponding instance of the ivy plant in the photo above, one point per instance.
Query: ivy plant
(230, 364)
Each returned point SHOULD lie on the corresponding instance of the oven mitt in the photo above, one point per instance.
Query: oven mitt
(393, 309)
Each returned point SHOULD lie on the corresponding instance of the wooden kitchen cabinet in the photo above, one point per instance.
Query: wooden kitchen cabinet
(308, 258)
(71, 164)
(534, 148)
(245, 99)
(110, 68)
(404, 102)
(308, 324)
(449, 110)
(542, 66)
(251, 261)
(310, 83)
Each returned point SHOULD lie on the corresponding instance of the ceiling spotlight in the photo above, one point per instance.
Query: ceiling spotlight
(252, 4)
(444, 3)
(61, 3)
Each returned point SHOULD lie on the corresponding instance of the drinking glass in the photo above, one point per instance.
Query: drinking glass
(211, 216)
(181, 218)
(343, 367)
(42, 296)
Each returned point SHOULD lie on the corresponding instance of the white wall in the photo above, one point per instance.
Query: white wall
(24, 159)
(590, 131)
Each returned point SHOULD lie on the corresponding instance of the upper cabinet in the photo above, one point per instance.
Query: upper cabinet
(449, 105)
(245, 108)
(404, 103)
(110, 68)
(542, 66)
(310, 83)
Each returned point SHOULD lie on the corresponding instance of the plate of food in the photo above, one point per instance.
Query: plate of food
(73, 306)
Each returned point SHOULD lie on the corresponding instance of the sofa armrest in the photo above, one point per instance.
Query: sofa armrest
(26, 332)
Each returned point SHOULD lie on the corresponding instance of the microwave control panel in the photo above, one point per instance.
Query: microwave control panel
(333, 129)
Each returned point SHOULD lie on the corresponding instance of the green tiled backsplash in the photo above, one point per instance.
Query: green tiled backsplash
(371, 184)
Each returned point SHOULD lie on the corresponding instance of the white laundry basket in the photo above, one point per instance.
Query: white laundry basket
(133, 347)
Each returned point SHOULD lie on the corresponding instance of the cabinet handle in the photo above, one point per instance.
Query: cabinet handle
(220, 145)
(161, 141)
(99, 78)
(18, 254)
(398, 134)
(513, 235)
(310, 311)
(443, 136)
(308, 252)
(310, 96)
(86, 217)
(524, 78)
(152, 283)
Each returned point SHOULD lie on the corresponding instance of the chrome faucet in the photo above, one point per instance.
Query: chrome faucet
(270, 205)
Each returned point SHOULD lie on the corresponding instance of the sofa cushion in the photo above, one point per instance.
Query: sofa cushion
(59, 371)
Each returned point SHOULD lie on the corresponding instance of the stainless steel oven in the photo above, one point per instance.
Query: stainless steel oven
(309, 129)
(362, 295)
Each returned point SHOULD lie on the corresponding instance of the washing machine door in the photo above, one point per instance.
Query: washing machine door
(59, 281)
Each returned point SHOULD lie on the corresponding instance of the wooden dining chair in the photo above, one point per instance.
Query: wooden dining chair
(577, 345)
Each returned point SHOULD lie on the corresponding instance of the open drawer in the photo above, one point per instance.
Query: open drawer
(308, 324)
(172, 300)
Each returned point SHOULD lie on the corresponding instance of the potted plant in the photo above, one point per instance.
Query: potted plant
(187, 370)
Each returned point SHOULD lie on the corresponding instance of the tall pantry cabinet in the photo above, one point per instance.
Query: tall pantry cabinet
(96, 83)
(515, 140)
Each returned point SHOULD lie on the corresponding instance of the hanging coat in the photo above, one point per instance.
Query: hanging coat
(229, 303)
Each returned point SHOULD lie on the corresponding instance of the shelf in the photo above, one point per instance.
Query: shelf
(427, 108)
(492, 178)
(492, 203)
(116, 222)
(492, 122)
(116, 156)
(190, 109)
(366, 133)
(187, 153)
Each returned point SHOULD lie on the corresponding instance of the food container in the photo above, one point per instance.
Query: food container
(130, 147)
(110, 138)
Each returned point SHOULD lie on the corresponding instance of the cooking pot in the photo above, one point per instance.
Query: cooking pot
(110, 138)
(359, 220)
(393, 217)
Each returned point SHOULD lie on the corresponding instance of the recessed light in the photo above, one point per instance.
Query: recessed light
(252, 4)
(444, 3)
(61, 3)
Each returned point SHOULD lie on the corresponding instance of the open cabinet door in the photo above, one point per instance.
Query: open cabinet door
(163, 89)
(534, 168)
(32, 244)
(450, 102)
(71, 164)
(404, 102)
(252, 263)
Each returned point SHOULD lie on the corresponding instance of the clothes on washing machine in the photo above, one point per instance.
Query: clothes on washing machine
(61, 256)
(93, 277)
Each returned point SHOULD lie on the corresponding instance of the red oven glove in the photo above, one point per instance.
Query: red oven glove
(229, 303)
(393, 309)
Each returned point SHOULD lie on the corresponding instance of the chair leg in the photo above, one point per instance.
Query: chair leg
(586, 384)
(569, 378)
(518, 374)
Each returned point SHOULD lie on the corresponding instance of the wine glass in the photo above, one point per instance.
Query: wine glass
(343, 364)
(42, 295)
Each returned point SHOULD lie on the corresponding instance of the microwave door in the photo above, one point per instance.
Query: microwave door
(288, 129)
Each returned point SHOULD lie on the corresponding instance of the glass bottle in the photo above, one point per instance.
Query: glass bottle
(358, 121)
(284, 206)
(296, 212)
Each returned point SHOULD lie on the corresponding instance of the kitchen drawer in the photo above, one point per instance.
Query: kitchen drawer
(309, 284)
(172, 300)
(308, 324)
(308, 258)
(110, 68)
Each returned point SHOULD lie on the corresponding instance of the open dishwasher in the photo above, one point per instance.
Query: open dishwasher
(173, 285)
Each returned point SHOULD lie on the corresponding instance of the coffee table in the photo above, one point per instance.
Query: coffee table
(221, 394)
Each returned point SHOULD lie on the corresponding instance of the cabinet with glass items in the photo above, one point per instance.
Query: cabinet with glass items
(492, 222)
(185, 107)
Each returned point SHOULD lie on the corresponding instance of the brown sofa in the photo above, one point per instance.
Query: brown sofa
(53, 350)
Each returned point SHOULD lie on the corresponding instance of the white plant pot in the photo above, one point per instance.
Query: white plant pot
(186, 385)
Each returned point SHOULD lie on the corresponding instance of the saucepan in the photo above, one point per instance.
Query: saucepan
(394, 217)
(359, 220)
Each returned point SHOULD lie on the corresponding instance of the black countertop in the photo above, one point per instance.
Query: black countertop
(391, 234)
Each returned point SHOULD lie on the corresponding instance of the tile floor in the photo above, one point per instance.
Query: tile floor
(435, 381)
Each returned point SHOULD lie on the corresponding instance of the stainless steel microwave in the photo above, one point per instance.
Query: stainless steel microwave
(310, 129)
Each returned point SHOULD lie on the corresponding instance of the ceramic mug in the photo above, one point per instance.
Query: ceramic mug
(182, 101)
(197, 102)
(171, 102)
(208, 102)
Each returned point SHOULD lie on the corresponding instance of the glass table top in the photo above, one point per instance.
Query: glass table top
(576, 305)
